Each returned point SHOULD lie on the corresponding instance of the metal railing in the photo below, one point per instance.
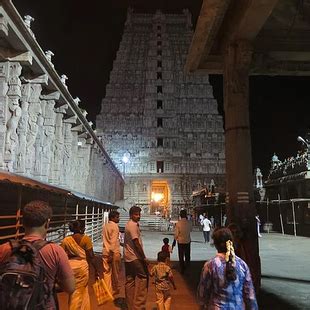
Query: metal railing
(67, 206)
(59, 224)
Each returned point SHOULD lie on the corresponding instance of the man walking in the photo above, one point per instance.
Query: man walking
(135, 263)
(54, 260)
(182, 236)
(111, 253)
(206, 228)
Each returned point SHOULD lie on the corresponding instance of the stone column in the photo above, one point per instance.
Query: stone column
(35, 122)
(47, 104)
(22, 129)
(58, 147)
(67, 154)
(4, 77)
(93, 176)
(82, 165)
(241, 205)
(13, 113)
(73, 160)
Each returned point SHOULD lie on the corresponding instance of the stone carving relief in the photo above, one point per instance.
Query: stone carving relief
(22, 129)
(13, 113)
(11, 134)
(49, 133)
(57, 160)
(38, 147)
(4, 76)
(35, 139)
(34, 110)
(67, 154)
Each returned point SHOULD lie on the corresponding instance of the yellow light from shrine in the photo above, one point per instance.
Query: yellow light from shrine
(157, 197)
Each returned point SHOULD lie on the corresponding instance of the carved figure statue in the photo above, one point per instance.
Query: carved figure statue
(63, 79)
(77, 101)
(34, 112)
(259, 178)
(48, 55)
(11, 125)
(39, 146)
(28, 20)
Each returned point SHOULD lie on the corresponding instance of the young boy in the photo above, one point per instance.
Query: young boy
(166, 247)
(163, 278)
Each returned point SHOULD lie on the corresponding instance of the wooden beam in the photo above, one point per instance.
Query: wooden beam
(266, 65)
(244, 20)
(209, 21)
(270, 63)
(278, 40)
(290, 56)
(213, 65)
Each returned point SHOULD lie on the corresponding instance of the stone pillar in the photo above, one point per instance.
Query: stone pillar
(241, 205)
(67, 173)
(91, 181)
(13, 113)
(4, 76)
(22, 129)
(73, 160)
(58, 147)
(47, 104)
(35, 122)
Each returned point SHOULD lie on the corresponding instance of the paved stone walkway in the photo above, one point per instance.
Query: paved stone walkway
(285, 269)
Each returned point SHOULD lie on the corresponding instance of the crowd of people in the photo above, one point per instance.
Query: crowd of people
(225, 281)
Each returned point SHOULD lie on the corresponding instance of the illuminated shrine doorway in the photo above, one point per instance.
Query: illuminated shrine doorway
(160, 198)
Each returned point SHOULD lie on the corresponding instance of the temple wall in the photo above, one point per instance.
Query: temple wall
(44, 134)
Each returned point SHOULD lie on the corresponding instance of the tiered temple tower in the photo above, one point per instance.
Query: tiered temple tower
(160, 126)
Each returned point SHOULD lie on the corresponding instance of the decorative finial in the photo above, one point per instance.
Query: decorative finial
(63, 80)
(49, 54)
(28, 20)
(84, 112)
(77, 101)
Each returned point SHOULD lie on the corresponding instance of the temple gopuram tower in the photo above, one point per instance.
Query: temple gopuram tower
(160, 126)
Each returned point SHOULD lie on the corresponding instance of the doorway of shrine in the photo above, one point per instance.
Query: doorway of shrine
(160, 198)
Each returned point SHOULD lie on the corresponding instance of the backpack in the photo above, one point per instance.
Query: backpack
(23, 283)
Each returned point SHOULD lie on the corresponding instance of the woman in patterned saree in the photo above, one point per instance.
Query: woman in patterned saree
(225, 281)
(79, 249)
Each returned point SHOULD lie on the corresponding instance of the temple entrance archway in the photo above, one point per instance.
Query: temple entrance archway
(160, 198)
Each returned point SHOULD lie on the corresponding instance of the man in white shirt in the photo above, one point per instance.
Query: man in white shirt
(135, 263)
(111, 253)
(206, 228)
(182, 235)
(201, 217)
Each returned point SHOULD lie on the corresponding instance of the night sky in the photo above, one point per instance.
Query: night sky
(85, 35)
